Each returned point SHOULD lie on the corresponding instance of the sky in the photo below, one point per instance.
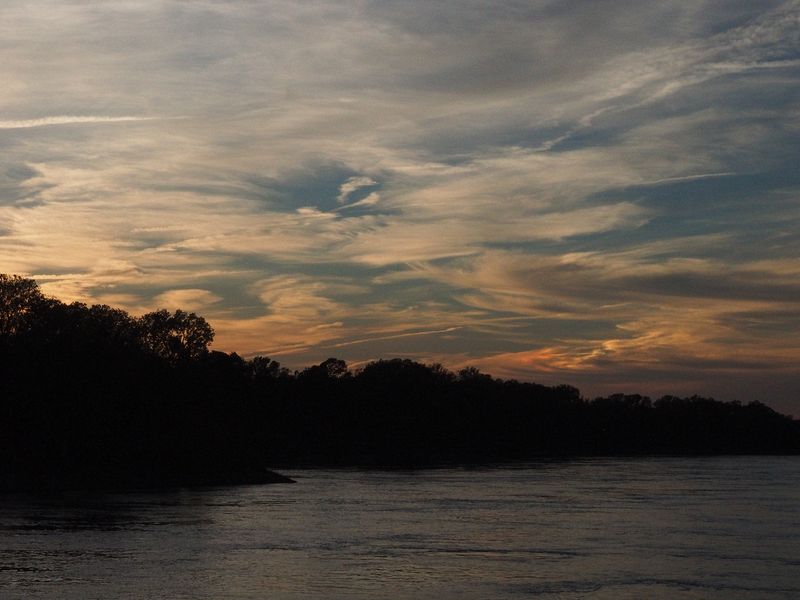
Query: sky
(602, 193)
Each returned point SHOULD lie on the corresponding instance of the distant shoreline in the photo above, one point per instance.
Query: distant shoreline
(92, 396)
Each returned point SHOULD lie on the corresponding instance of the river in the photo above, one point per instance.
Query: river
(723, 527)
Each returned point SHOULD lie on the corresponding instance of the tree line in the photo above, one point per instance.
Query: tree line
(92, 396)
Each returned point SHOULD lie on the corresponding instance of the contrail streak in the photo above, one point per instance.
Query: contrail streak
(67, 120)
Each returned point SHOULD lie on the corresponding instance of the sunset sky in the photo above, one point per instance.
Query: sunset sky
(602, 193)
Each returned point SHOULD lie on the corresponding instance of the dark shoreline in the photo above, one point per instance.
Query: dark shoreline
(511, 462)
(95, 397)
(88, 483)
(267, 476)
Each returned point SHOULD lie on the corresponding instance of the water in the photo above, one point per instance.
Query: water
(610, 528)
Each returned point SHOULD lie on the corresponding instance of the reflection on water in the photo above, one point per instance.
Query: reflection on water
(618, 528)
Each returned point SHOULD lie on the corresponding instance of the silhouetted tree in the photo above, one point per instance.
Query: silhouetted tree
(332, 368)
(176, 337)
(473, 374)
(263, 369)
(19, 298)
(93, 396)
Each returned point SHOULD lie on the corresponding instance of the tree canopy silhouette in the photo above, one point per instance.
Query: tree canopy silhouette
(176, 337)
(19, 298)
(93, 396)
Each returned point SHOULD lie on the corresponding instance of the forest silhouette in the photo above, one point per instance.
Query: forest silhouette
(95, 397)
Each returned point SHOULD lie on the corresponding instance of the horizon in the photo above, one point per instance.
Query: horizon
(200, 348)
(594, 194)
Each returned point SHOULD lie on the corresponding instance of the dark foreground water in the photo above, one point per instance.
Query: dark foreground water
(610, 528)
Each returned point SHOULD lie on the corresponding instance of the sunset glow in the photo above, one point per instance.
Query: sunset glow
(604, 194)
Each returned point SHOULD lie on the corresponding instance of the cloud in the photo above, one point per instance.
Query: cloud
(393, 337)
(186, 299)
(67, 120)
(571, 190)
(351, 185)
(370, 200)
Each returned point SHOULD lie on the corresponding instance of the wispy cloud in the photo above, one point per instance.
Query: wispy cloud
(68, 120)
(586, 192)
(392, 337)
(351, 185)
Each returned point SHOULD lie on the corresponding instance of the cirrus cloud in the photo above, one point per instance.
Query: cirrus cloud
(603, 193)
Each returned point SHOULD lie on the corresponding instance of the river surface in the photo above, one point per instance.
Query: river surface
(604, 528)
